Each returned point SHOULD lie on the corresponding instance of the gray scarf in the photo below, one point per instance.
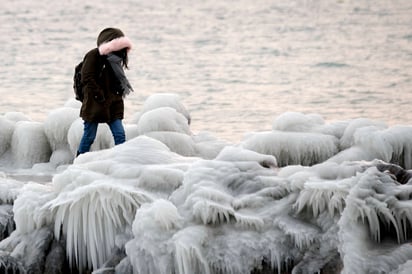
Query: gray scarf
(116, 65)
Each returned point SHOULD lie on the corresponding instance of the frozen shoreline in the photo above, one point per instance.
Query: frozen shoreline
(304, 197)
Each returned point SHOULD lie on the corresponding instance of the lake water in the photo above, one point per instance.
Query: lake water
(236, 64)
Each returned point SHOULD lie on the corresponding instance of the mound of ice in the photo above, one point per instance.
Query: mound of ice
(7, 129)
(29, 144)
(306, 197)
(291, 148)
(56, 127)
(163, 119)
(296, 121)
(161, 100)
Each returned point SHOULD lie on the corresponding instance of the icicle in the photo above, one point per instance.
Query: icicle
(188, 245)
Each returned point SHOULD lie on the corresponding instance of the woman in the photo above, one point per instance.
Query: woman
(105, 86)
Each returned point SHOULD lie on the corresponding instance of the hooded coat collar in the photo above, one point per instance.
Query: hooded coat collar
(115, 45)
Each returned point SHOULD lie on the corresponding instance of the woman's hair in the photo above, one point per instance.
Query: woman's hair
(108, 34)
(112, 40)
(123, 54)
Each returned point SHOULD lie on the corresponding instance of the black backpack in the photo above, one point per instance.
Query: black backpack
(77, 82)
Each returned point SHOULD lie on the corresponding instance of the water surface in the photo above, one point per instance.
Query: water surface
(236, 64)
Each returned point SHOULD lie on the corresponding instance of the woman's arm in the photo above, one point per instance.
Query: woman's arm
(92, 67)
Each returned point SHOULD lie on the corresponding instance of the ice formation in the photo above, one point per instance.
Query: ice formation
(305, 197)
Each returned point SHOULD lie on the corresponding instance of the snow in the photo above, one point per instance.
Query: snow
(307, 196)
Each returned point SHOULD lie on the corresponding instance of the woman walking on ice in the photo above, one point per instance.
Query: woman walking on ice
(105, 86)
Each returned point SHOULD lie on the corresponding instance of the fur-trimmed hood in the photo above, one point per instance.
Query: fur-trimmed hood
(115, 45)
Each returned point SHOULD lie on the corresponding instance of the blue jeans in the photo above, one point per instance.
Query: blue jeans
(90, 130)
